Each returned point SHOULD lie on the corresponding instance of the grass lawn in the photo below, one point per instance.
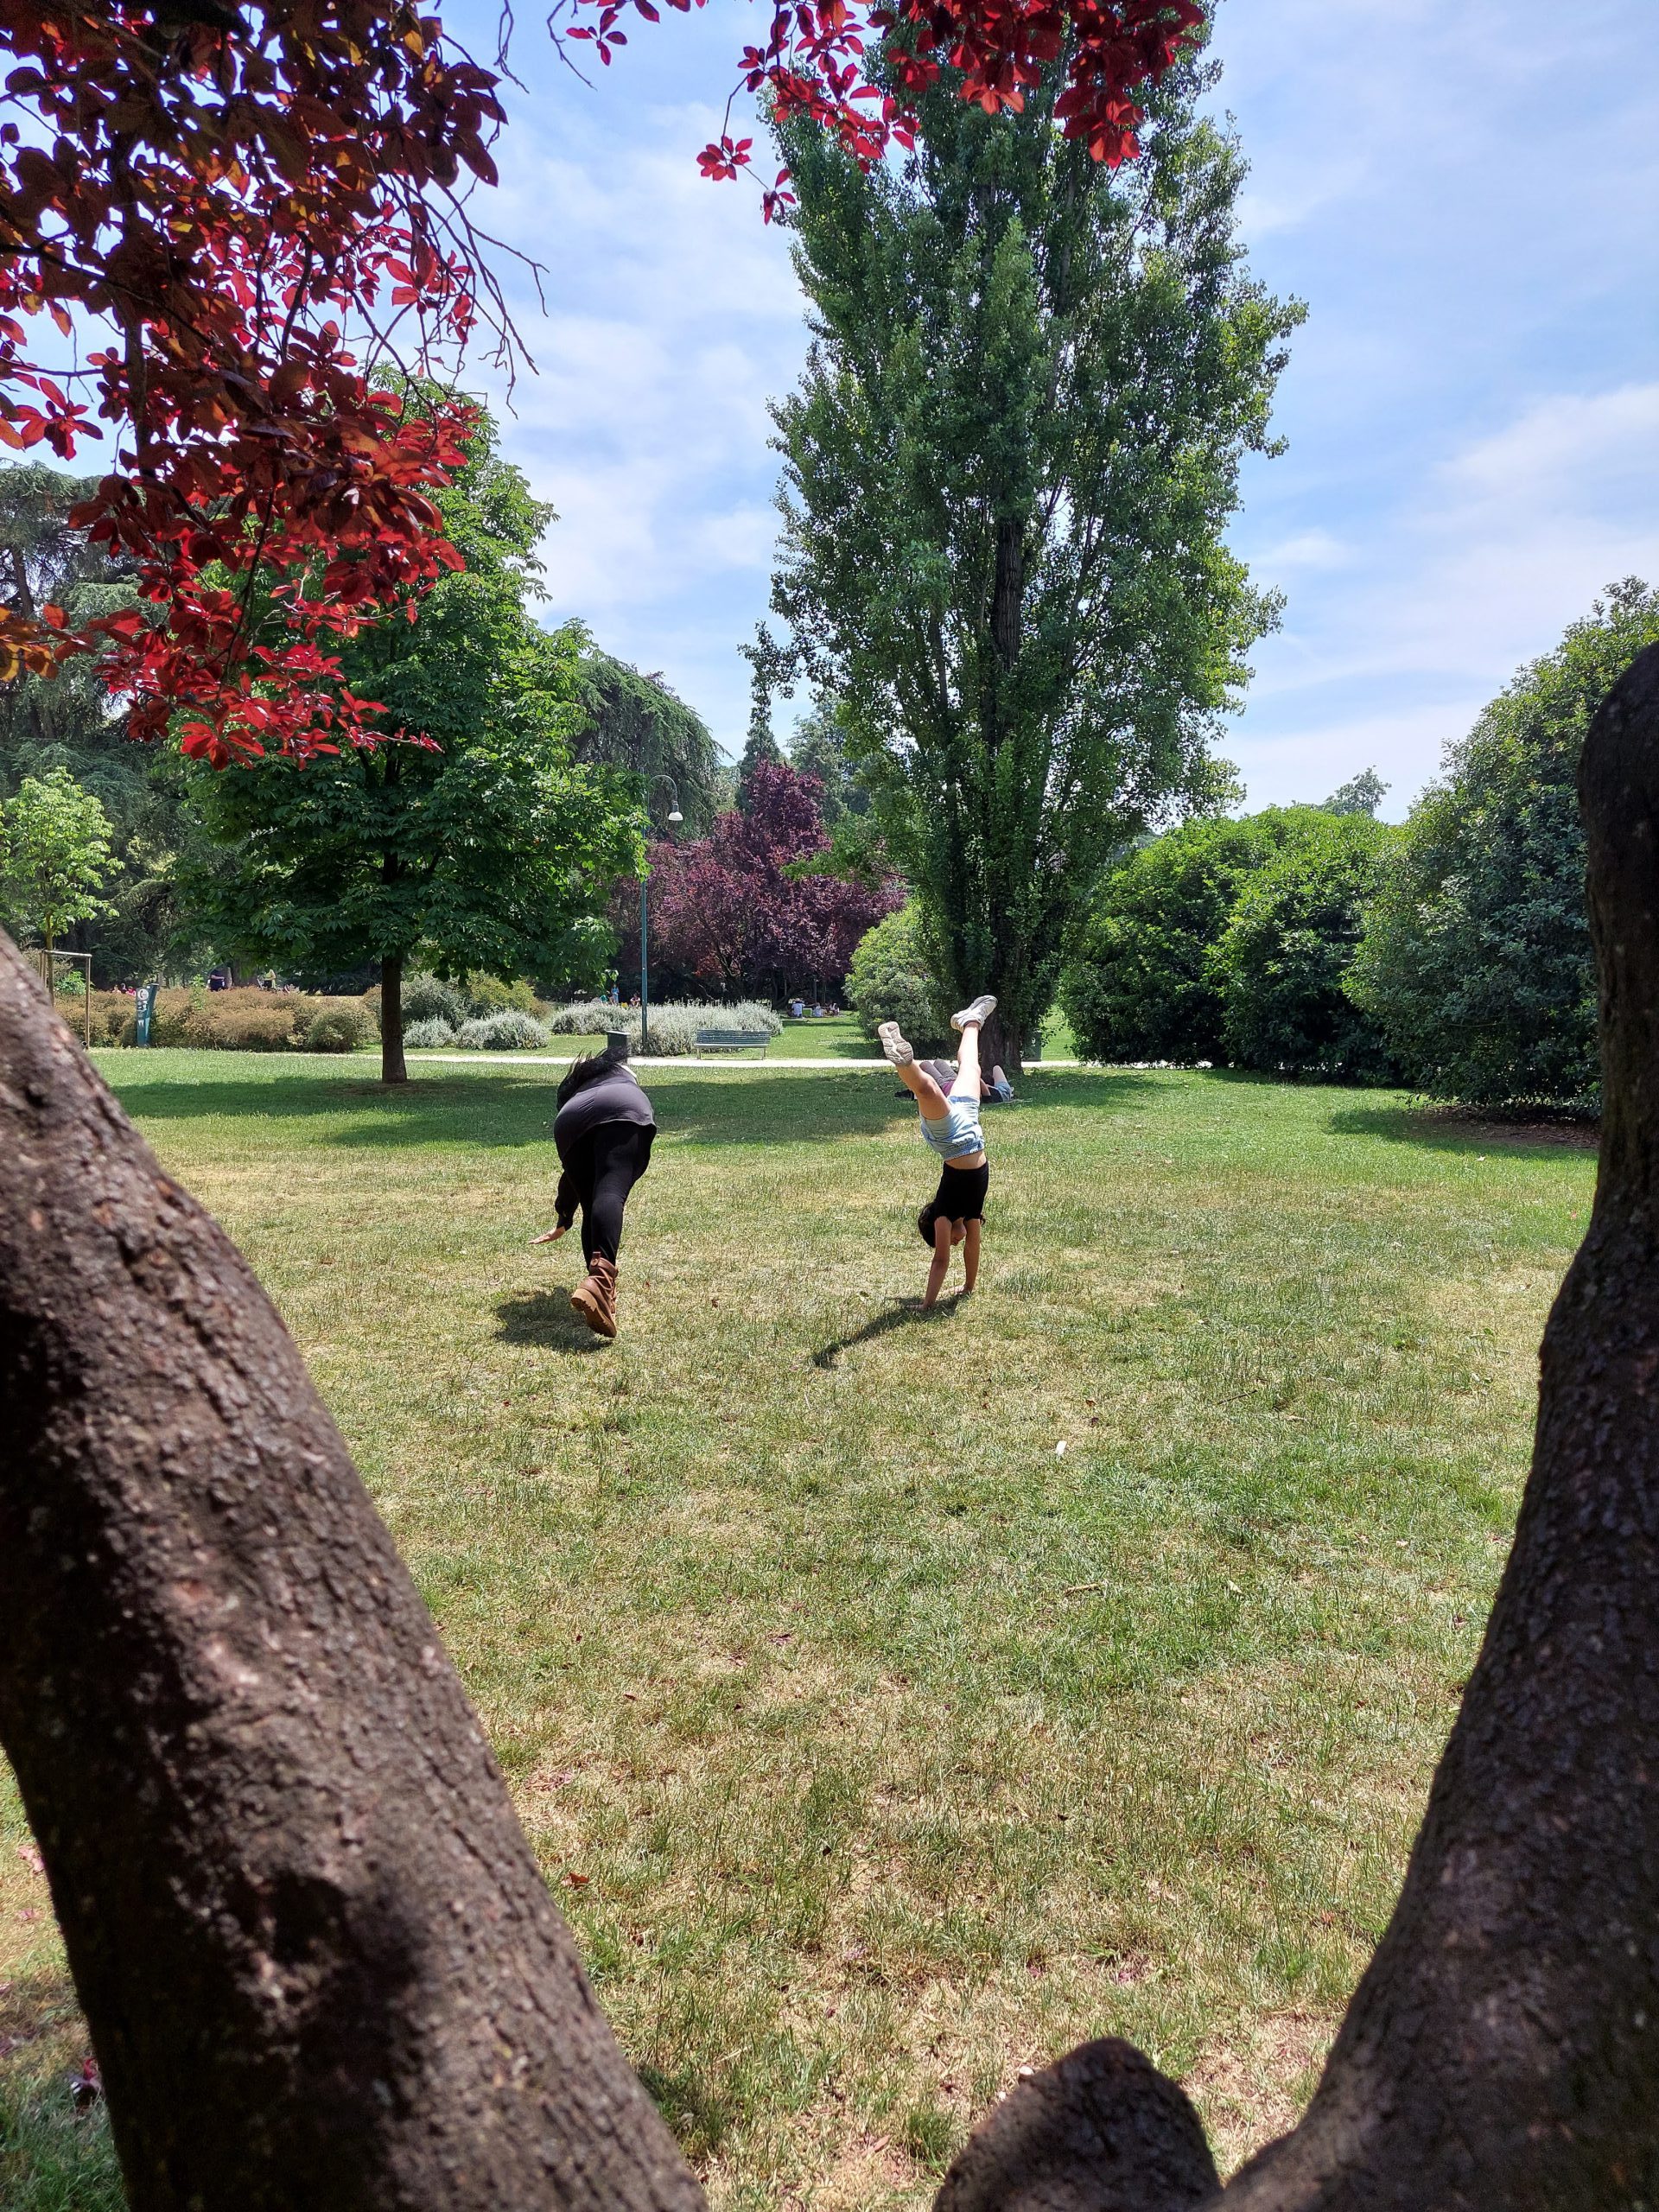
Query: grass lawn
(873, 1746)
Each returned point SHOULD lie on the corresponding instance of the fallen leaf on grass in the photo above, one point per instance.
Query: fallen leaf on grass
(578, 1881)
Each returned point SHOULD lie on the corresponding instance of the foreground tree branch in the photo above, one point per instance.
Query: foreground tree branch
(318, 1963)
(1503, 2048)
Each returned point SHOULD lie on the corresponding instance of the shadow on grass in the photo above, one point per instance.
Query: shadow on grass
(544, 1319)
(508, 1108)
(907, 1310)
(1441, 1129)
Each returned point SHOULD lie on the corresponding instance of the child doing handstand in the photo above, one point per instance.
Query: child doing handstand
(951, 1125)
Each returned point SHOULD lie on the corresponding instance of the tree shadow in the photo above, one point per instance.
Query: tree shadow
(509, 1108)
(1440, 1128)
(899, 1316)
(543, 1318)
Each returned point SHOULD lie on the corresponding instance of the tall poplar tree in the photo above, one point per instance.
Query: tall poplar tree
(1007, 472)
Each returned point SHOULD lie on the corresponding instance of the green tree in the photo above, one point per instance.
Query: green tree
(891, 979)
(70, 723)
(637, 722)
(819, 748)
(1361, 794)
(1281, 959)
(1476, 959)
(1142, 982)
(761, 748)
(479, 853)
(55, 855)
(1008, 474)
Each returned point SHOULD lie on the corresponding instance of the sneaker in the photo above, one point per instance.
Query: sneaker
(893, 1045)
(982, 1010)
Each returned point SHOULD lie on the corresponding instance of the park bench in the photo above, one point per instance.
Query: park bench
(732, 1040)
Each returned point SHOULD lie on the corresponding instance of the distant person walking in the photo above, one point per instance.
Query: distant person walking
(955, 1213)
(604, 1130)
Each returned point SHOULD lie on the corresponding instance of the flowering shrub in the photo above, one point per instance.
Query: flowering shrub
(425, 1036)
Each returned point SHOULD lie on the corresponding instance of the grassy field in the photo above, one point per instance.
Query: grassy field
(876, 1746)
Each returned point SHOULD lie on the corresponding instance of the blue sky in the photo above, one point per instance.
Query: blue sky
(1465, 193)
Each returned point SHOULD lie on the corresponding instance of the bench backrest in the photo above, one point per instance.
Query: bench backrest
(732, 1037)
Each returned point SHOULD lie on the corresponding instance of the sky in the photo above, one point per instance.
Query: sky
(1463, 193)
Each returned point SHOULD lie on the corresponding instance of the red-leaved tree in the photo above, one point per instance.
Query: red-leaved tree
(728, 912)
(243, 211)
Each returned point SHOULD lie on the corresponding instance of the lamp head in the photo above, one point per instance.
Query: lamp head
(677, 815)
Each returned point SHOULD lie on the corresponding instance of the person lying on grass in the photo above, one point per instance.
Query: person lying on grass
(604, 1130)
(995, 1086)
(955, 1212)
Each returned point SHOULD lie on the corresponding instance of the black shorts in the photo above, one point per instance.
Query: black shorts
(960, 1196)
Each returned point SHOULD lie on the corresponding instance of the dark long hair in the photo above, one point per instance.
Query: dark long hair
(581, 1072)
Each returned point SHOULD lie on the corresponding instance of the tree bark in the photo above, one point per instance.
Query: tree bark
(1503, 2047)
(393, 1067)
(318, 1962)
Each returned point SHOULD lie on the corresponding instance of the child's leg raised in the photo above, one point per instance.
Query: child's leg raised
(923, 1088)
(967, 1082)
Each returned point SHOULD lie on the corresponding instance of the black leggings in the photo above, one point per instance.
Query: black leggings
(603, 1167)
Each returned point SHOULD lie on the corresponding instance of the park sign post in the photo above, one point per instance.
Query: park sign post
(143, 1009)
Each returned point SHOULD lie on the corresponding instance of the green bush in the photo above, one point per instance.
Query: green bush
(1476, 959)
(1284, 953)
(428, 998)
(891, 979)
(489, 995)
(340, 1028)
(1141, 984)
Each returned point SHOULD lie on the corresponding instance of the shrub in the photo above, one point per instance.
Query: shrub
(428, 998)
(489, 995)
(506, 1031)
(1283, 955)
(891, 979)
(1476, 959)
(424, 1036)
(339, 1028)
(1141, 984)
(590, 1018)
(674, 1023)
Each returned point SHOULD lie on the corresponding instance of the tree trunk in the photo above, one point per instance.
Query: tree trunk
(319, 1964)
(1000, 1048)
(393, 1068)
(1503, 2047)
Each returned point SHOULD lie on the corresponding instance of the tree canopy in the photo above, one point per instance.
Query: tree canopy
(54, 854)
(631, 721)
(238, 215)
(478, 849)
(1476, 959)
(736, 910)
(1008, 474)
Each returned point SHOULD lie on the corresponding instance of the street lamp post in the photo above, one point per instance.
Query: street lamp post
(645, 971)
